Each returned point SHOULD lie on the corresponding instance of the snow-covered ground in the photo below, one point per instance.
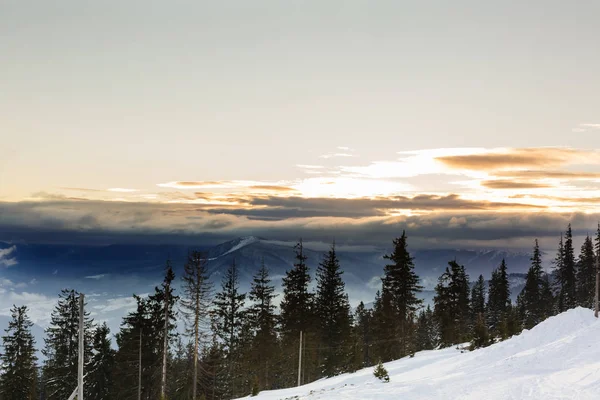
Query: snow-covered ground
(558, 359)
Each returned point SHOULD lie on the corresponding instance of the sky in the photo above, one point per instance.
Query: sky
(466, 123)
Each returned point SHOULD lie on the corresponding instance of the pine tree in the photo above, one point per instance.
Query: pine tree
(498, 300)
(196, 301)
(333, 315)
(137, 334)
(547, 302)
(229, 318)
(381, 373)
(19, 371)
(99, 378)
(530, 298)
(262, 319)
(296, 315)
(61, 349)
(362, 331)
(426, 332)
(586, 274)
(452, 305)
(566, 273)
(480, 333)
(597, 245)
(384, 339)
(402, 284)
(478, 298)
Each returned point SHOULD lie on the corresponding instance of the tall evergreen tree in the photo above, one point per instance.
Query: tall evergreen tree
(195, 304)
(61, 349)
(452, 305)
(478, 297)
(143, 333)
(566, 273)
(19, 371)
(363, 335)
(597, 245)
(498, 300)
(530, 298)
(136, 337)
(385, 345)
(547, 302)
(229, 318)
(402, 284)
(586, 274)
(164, 316)
(333, 315)
(99, 378)
(297, 307)
(426, 331)
(262, 319)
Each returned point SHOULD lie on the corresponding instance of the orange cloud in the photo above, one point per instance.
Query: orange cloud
(273, 188)
(193, 184)
(540, 174)
(508, 184)
(513, 158)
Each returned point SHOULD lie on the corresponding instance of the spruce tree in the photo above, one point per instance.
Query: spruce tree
(426, 332)
(137, 334)
(99, 378)
(19, 371)
(478, 298)
(586, 274)
(530, 298)
(498, 300)
(480, 332)
(297, 306)
(597, 245)
(195, 304)
(363, 336)
(452, 305)
(229, 320)
(547, 308)
(61, 346)
(262, 320)
(565, 273)
(384, 339)
(333, 315)
(402, 284)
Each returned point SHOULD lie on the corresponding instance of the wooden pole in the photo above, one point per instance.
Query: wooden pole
(81, 350)
(300, 360)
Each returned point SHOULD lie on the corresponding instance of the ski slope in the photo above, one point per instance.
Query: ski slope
(558, 359)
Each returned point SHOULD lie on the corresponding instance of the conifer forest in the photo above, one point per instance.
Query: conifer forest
(194, 339)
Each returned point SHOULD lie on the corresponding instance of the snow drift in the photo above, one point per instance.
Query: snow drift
(558, 359)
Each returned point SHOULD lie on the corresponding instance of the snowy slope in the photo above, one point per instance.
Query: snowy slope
(558, 359)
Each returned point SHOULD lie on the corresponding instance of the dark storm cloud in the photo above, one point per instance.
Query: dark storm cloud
(374, 206)
(95, 222)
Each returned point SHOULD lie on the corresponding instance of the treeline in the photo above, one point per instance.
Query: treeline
(236, 344)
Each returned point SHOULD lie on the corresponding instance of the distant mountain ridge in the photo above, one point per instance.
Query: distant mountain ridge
(362, 265)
